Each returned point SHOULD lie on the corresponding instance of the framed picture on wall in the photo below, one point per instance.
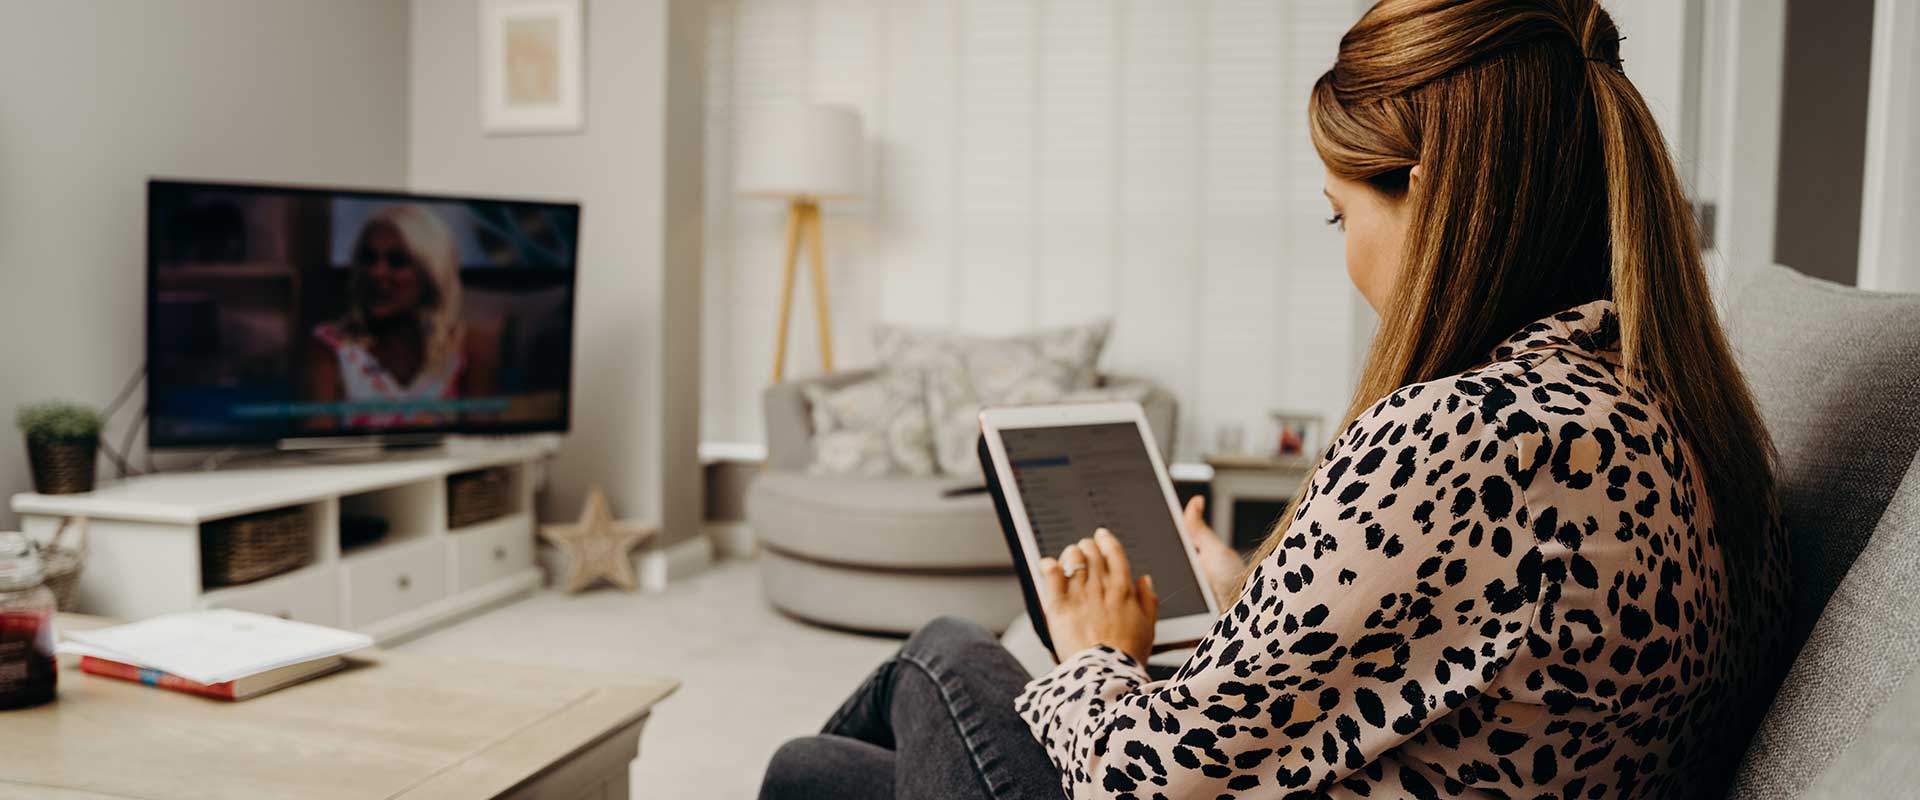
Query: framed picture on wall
(532, 66)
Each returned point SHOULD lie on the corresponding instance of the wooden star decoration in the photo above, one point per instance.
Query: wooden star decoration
(597, 546)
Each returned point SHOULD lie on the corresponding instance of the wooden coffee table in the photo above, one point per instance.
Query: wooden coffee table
(391, 725)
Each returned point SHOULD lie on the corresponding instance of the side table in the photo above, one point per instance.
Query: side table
(1239, 477)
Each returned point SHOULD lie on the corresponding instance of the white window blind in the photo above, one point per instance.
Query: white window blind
(1045, 162)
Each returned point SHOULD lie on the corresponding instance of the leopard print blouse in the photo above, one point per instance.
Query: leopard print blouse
(1504, 583)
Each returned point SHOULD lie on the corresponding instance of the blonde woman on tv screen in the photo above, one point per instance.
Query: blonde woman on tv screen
(400, 348)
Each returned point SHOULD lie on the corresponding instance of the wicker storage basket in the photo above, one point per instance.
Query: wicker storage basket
(61, 560)
(477, 496)
(258, 545)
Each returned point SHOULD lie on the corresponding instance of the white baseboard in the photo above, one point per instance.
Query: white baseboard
(656, 567)
(675, 562)
(732, 539)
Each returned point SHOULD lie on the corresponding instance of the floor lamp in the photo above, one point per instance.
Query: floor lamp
(802, 154)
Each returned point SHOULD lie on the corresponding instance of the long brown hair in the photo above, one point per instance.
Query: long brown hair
(1544, 184)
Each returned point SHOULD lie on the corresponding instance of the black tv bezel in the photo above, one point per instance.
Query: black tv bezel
(563, 425)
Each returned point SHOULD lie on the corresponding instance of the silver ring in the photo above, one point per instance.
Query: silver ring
(1070, 570)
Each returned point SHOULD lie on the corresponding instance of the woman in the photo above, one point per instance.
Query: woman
(1540, 560)
(401, 338)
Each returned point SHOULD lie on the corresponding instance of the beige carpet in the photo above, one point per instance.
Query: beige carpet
(750, 678)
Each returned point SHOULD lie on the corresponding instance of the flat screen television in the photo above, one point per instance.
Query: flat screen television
(279, 313)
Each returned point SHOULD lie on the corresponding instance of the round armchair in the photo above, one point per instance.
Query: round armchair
(882, 555)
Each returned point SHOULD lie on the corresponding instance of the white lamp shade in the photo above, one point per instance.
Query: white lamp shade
(801, 150)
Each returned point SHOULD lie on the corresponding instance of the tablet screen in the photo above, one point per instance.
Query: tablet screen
(1074, 479)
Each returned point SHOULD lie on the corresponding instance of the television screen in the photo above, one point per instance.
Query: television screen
(283, 313)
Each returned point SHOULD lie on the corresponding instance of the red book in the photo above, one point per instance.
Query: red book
(237, 689)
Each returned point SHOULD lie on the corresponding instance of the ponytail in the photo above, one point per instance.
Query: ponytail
(1671, 337)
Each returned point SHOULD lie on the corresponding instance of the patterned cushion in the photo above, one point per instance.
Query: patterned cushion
(874, 428)
(1000, 366)
(955, 414)
(965, 373)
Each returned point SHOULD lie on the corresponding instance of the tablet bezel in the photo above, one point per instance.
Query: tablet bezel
(1167, 633)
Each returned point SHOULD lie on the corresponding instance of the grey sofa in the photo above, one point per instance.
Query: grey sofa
(882, 554)
(1836, 372)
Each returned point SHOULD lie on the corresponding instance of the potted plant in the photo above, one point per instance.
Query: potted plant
(62, 444)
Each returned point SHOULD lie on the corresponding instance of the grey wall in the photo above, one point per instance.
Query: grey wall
(1823, 137)
(635, 417)
(95, 96)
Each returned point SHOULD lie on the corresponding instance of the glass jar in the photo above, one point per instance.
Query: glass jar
(29, 673)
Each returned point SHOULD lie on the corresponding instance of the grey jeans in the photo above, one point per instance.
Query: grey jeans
(934, 721)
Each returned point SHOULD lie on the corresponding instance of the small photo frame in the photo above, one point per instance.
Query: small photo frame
(532, 66)
(1298, 432)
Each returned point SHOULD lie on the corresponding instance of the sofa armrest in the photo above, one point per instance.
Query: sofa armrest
(1162, 409)
(790, 418)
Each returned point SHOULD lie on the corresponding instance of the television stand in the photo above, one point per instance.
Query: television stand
(144, 541)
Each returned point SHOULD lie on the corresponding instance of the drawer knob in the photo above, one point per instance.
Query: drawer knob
(499, 553)
(404, 583)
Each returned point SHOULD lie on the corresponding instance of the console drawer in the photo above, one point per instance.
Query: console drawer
(311, 594)
(491, 550)
(393, 579)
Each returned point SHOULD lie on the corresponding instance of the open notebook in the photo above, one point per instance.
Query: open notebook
(214, 646)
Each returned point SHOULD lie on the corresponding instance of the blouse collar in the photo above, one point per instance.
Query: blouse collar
(1591, 328)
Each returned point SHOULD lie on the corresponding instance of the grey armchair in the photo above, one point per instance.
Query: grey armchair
(882, 555)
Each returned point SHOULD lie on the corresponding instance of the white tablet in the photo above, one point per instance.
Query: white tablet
(1057, 473)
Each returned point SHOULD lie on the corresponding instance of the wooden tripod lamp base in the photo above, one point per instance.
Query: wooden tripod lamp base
(802, 153)
(803, 223)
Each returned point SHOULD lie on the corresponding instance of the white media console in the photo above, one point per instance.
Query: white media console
(143, 541)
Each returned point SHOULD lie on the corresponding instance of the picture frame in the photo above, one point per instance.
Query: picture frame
(532, 66)
(1298, 433)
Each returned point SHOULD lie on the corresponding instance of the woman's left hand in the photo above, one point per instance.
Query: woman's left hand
(1091, 598)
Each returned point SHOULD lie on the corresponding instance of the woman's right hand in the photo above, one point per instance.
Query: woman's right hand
(1092, 597)
(1219, 561)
